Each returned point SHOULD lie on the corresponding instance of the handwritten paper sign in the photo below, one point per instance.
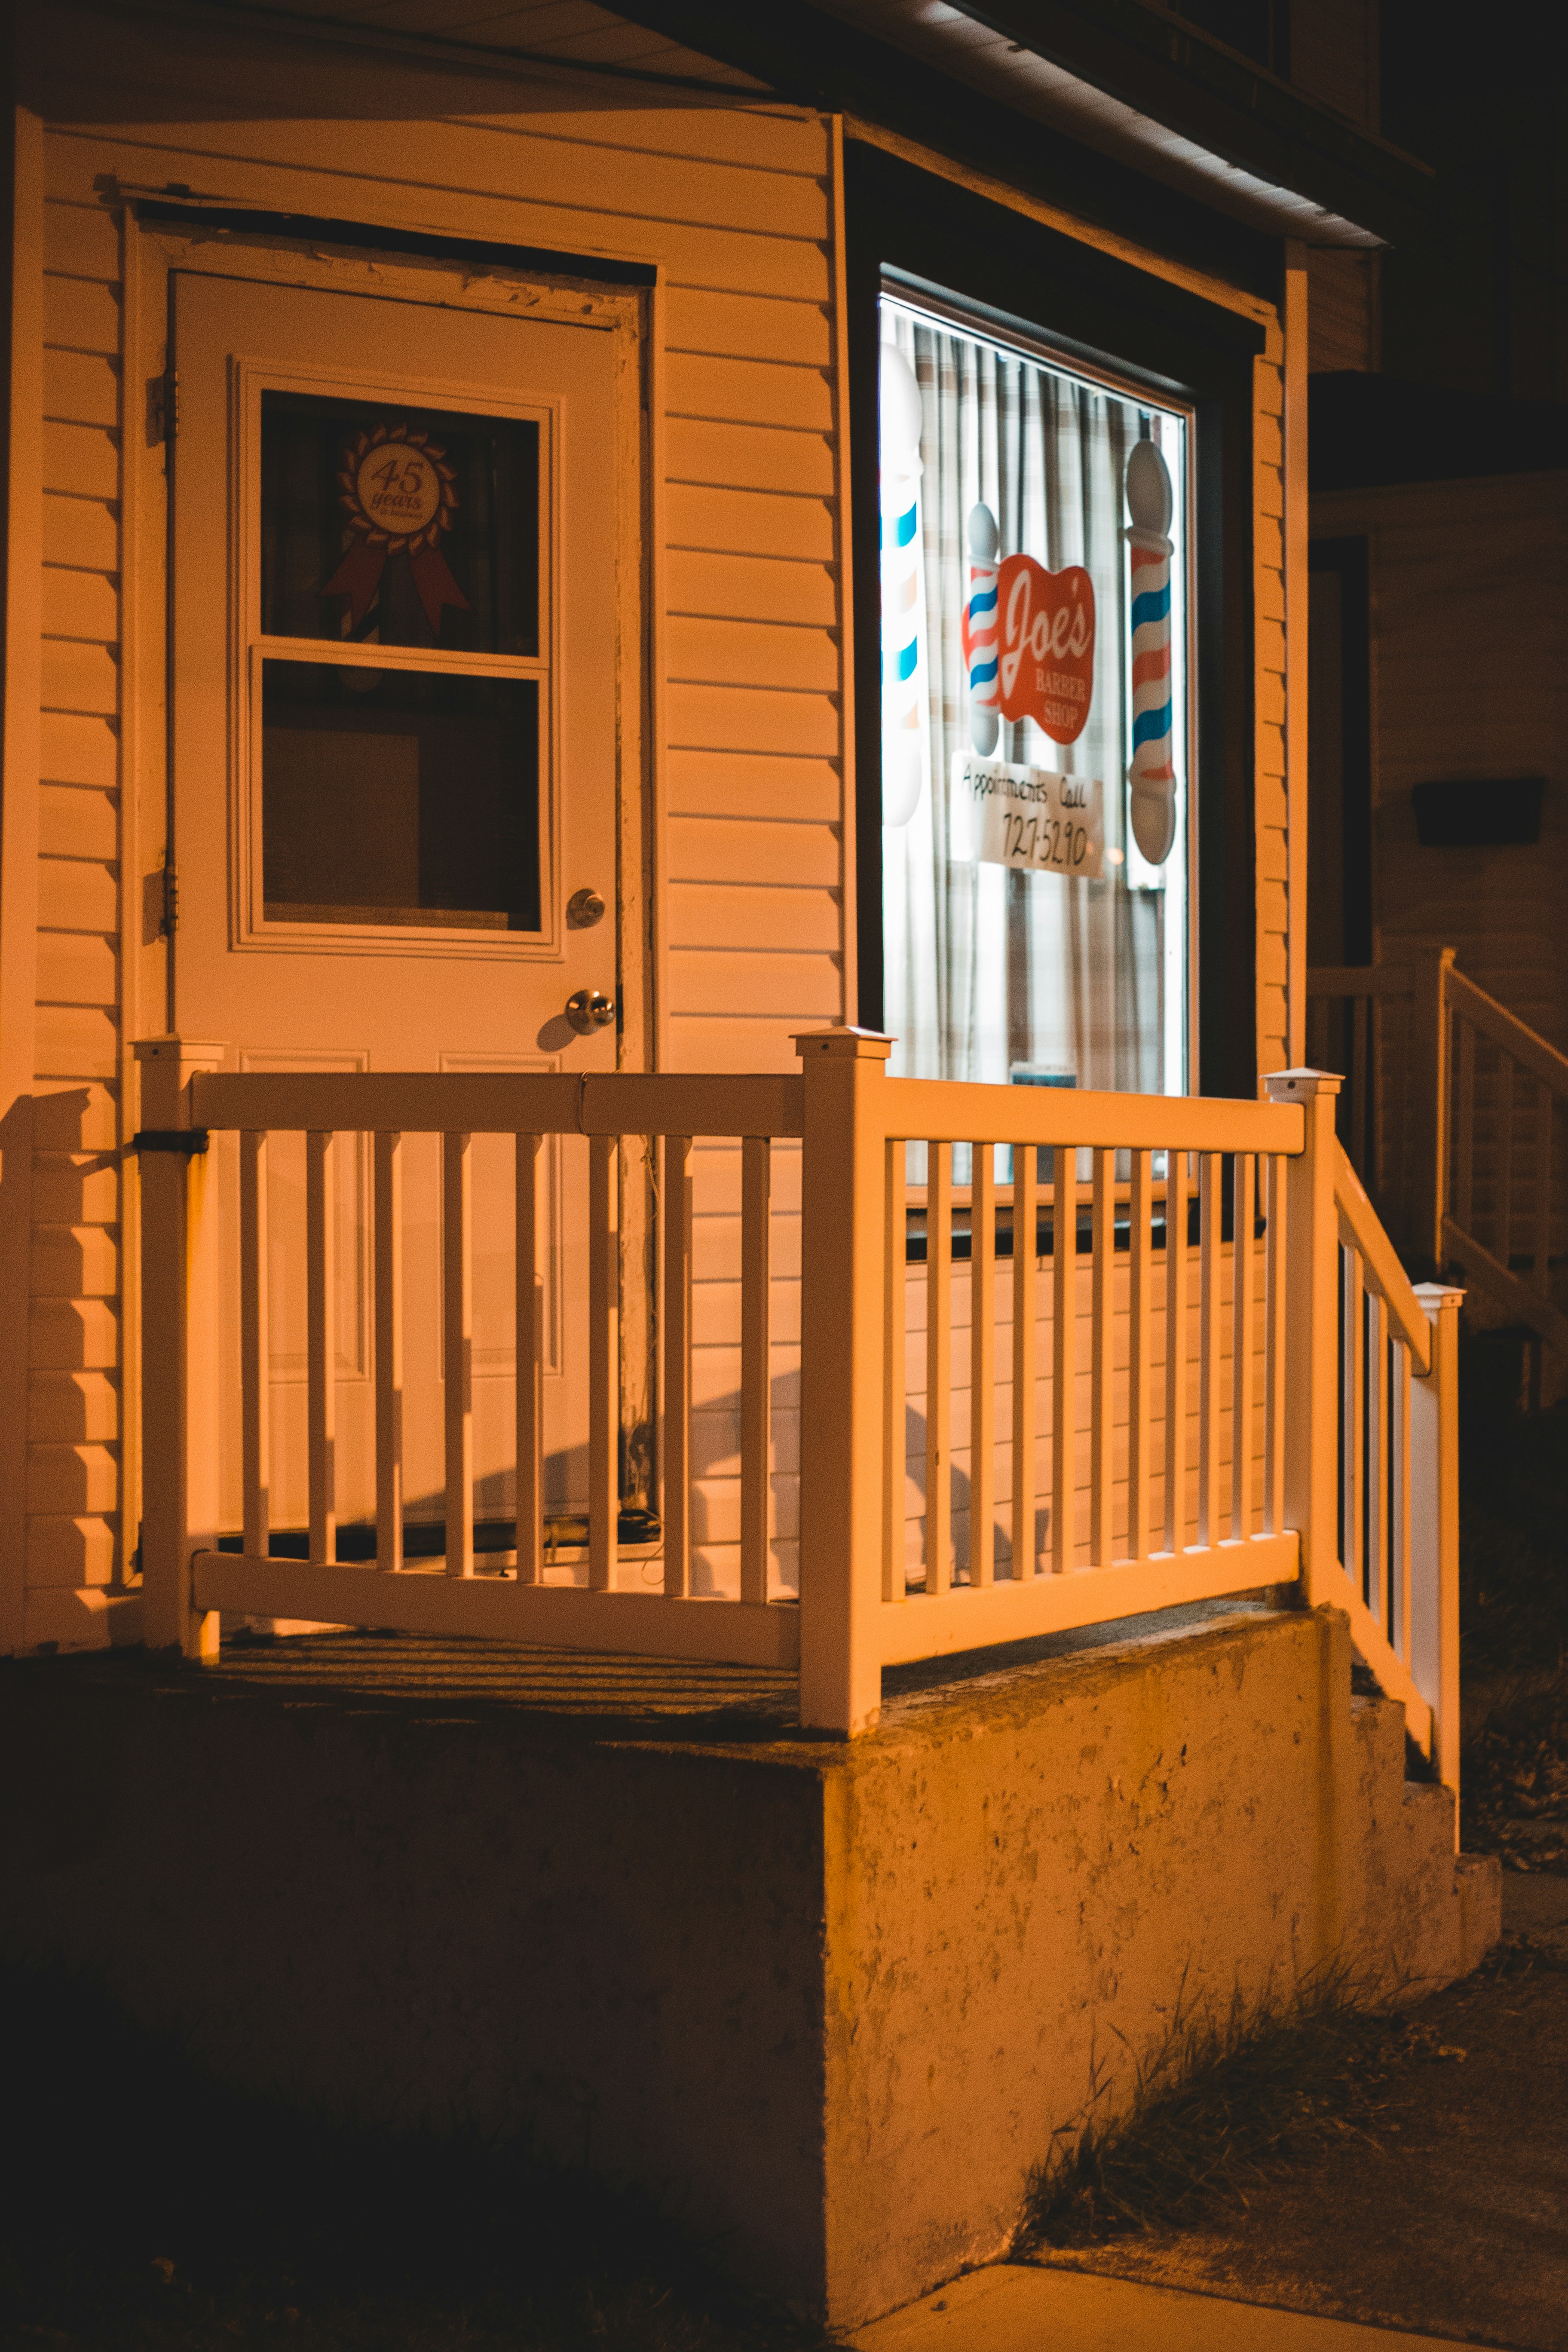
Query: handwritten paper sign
(1029, 818)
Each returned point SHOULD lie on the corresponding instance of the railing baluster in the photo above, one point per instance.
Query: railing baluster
(1211, 1260)
(982, 1363)
(1026, 1268)
(1399, 1545)
(256, 1368)
(1102, 1360)
(1140, 1325)
(1375, 1526)
(388, 1227)
(895, 1441)
(678, 1365)
(1175, 1350)
(321, 1341)
(457, 1352)
(1542, 1253)
(1353, 1399)
(1243, 1265)
(603, 1362)
(1063, 1340)
(755, 1277)
(529, 1396)
(939, 1364)
(1505, 1094)
(1465, 1127)
(1274, 1343)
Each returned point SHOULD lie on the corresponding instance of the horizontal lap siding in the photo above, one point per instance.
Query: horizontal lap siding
(74, 1338)
(733, 207)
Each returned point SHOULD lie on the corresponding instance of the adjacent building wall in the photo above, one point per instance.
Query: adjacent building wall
(1469, 613)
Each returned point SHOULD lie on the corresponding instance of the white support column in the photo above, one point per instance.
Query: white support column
(1434, 1530)
(843, 1338)
(179, 1347)
(1312, 1330)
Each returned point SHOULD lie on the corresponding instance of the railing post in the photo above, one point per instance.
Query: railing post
(1311, 1329)
(1434, 1530)
(179, 1349)
(843, 1210)
(1431, 1109)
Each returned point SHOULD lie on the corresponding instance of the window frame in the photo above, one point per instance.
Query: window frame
(250, 647)
(1107, 316)
(945, 310)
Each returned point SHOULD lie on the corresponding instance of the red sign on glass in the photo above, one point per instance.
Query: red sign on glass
(1047, 660)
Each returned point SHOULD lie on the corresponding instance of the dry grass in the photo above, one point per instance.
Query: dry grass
(1224, 2105)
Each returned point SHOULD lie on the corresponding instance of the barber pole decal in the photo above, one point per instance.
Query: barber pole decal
(980, 632)
(906, 752)
(1153, 775)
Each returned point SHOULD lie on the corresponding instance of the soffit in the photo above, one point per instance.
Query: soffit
(1264, 151)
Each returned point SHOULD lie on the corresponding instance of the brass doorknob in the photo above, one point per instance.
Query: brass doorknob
(588, 1011)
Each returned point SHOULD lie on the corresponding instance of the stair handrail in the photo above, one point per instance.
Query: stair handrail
(1453, 1241)
(1360, 1229)
(1506, 1029)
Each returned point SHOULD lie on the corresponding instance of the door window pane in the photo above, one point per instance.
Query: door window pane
(1034, 721)
(399, 796)
(395, 526)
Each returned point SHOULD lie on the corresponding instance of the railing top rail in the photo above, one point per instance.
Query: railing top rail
(1506, 1029)
(499, 1102)
(1361, 979)
(1360, 1228)
(937, 1110)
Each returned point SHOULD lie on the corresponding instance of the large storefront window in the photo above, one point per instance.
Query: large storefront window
(1035, 722)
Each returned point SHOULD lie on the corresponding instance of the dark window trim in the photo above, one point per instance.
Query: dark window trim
(1095, 306)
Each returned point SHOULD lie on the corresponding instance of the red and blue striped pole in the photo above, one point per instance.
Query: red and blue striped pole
(1151, 776)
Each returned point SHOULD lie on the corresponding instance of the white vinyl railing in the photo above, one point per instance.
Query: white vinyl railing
(1063, 1358)
(1455, 1112)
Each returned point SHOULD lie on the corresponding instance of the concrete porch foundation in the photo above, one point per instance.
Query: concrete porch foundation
(829, 2002)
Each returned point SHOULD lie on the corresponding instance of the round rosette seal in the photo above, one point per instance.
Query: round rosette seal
(399, 496)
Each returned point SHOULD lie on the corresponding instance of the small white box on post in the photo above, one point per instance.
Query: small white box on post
(1434, 1531)
(843, 1208)
(179, 1345)
(1312, 1323)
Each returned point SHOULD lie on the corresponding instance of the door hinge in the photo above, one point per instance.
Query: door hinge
(164, 406)
(170, 898)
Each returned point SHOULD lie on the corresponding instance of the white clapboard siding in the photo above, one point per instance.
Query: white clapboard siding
(732, 205)
(73, 1463)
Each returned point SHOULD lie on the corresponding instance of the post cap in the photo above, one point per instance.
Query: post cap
(1436, 1296)
(1300, 1086)
(178, 1049)
(845, 1043)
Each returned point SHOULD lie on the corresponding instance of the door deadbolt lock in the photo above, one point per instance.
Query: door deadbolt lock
(583, 910)
(588, 1011)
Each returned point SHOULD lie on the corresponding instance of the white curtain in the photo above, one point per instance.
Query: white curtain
(985, 968)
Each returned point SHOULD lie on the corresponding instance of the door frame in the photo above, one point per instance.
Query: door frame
(395, 263)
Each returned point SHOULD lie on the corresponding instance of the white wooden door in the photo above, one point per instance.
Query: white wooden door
(394, 734)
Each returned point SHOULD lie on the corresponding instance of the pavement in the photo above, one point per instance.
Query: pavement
(1457, 2221)
(1015, 2307)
